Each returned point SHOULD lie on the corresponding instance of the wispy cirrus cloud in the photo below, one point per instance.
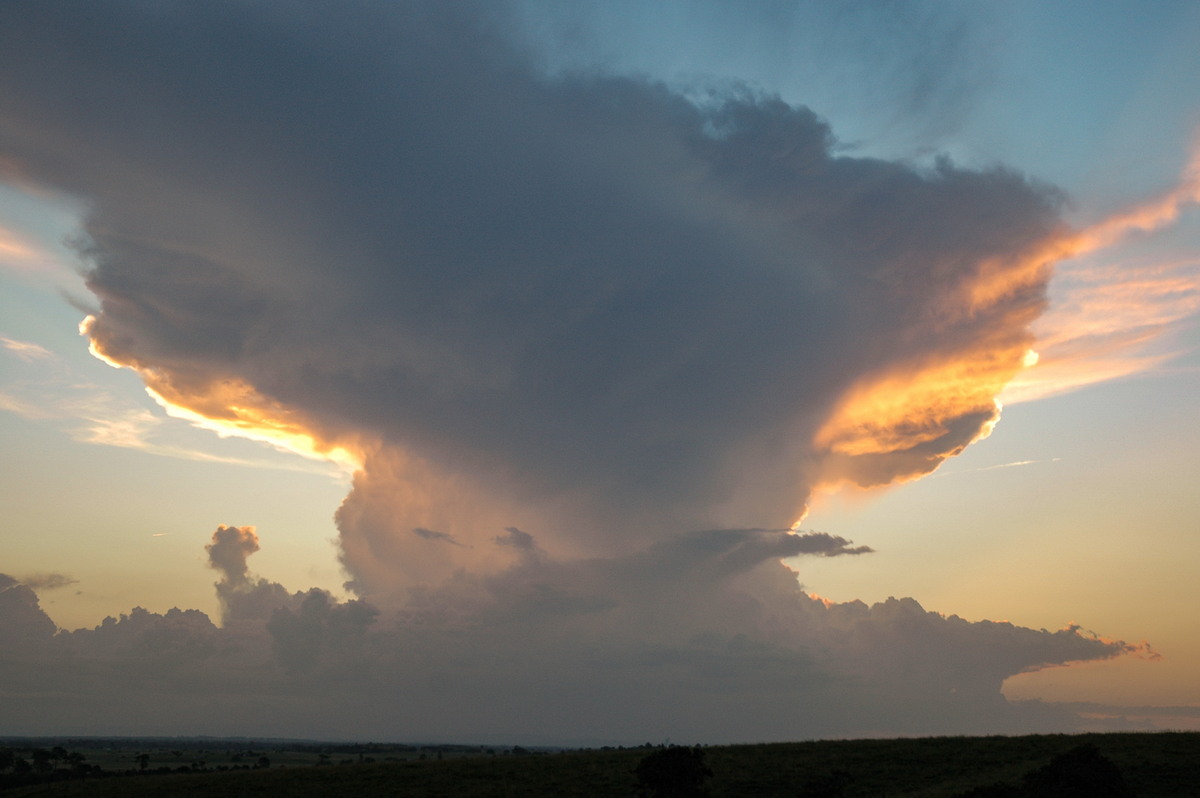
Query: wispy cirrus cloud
(1113, 314)
(25, 350)
(1111, 319)
(51, 581)
(46, 388)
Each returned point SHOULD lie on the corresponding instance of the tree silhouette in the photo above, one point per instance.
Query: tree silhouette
(41, 760)
(1082, 772)
(675, 772)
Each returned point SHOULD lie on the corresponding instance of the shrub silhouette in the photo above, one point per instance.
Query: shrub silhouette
(1082, 772)
(675, 772)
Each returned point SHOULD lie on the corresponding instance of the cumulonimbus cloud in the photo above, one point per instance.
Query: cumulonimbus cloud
(587, 306)
(585, 311)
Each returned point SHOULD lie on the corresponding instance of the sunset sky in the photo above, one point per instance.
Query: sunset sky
(466, 371)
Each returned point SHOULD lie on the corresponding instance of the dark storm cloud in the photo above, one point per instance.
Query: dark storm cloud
(587, 311)
(587, 295)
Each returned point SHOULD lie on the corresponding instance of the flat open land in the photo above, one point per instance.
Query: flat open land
(1150, 765)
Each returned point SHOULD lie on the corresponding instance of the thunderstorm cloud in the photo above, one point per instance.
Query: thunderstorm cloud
(561, 325)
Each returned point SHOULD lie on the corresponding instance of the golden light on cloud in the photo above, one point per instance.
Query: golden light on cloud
(85, 329)
(1104, 321)
(905, 409)
(240, 411)
(902, 425)
(233, 408)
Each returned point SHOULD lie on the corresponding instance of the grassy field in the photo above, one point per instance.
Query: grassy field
(1152, 765)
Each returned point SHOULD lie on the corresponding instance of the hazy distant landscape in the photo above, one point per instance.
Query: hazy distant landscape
(1147, 765)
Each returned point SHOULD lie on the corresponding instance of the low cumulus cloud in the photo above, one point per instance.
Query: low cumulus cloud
(559, 325)
(704, 637)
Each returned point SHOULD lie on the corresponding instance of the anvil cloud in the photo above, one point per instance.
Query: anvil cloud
(558, 325)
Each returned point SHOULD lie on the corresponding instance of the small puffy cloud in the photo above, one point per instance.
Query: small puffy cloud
(242, 595)
(230, 547)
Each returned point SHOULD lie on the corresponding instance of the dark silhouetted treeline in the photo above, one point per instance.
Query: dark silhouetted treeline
(1145, 765)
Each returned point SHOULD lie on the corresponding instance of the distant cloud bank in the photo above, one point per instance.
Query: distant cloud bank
(704, 637)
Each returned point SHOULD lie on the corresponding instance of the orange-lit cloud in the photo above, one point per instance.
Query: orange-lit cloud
(232, 408)
(1105, 320)
(904, 421)
(45, 388)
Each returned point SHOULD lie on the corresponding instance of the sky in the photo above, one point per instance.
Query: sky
(600, 372)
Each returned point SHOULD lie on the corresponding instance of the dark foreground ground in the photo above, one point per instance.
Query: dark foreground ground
(1059, 766)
